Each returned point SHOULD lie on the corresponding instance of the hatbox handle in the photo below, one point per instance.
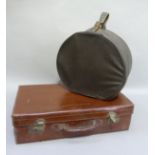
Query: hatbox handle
(101, 23)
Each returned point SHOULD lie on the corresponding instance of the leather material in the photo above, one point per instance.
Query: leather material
(65, 114)
(94, 63)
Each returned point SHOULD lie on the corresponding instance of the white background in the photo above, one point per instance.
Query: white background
(35, 31)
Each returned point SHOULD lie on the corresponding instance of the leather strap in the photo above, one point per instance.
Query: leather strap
(101, 23)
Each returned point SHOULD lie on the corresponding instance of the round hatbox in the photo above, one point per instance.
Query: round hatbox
(95, 62)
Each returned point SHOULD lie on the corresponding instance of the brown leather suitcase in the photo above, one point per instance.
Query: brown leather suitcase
(44, 112)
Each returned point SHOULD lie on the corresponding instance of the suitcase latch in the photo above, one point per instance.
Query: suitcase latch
(38, 126)
(113, 117)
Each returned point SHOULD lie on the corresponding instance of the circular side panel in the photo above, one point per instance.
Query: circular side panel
(91, 65)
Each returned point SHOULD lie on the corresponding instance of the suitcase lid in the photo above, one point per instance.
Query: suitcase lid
(54, 103)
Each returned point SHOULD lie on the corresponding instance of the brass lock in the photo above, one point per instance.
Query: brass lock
(113, 117)
(38, 126)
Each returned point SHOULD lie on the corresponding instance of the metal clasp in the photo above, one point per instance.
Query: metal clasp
(38, 126)
(113, 117)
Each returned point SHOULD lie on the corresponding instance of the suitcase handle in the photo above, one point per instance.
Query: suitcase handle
(78, 127)
(86, 125)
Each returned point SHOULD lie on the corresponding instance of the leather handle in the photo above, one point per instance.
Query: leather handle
(101, 23)
(85, 126)
(104, 17)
